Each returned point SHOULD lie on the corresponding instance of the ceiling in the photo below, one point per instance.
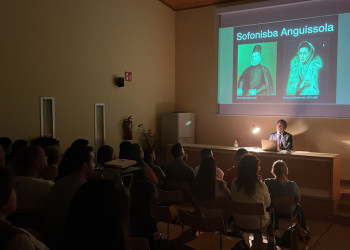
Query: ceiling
(189, 4)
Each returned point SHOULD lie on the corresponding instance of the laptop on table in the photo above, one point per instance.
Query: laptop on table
(269, 145)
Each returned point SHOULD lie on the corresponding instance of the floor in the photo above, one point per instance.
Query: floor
(324, 236)
(331, 237)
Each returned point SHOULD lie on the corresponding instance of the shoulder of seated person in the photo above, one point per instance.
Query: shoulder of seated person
(20, 240)
(262, 184)
(222, 183)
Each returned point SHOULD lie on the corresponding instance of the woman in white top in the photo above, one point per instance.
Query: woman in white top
(247, 188)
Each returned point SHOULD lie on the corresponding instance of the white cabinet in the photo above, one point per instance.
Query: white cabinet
(177, 127)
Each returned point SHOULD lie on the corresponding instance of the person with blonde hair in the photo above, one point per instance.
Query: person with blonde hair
(281, 186)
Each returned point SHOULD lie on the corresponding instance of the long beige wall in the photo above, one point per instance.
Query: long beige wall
(196, 91)
(70, 50)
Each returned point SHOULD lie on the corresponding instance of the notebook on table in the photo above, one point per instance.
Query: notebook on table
(120, 163)
(268, 145)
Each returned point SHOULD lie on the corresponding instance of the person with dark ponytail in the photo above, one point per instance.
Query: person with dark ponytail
(248, 188)
(281, 186)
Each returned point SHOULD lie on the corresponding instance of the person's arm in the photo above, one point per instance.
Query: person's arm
(288, 142)
(150, 175)
(159, 172)
(265, 191)
(296, 193)
(225, 192)
(190, 174)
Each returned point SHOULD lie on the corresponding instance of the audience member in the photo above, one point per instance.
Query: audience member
(2, 156)
(231, 173)
(64, 167)
(207, 187)
(97, 217)
(281, 186)
(136, 154)
(79, 165)
(11, 237)
(16, 147)
(124, 150)
(149, 158)
(53, 152)
(142, 222)
(32, 190)
(178, 170)
(6, 142)
(205, 153)
(44, 141)
(80, 142)
(248, 188)
(105, 154)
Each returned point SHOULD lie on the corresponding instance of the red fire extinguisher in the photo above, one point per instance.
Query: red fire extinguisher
(127, 128)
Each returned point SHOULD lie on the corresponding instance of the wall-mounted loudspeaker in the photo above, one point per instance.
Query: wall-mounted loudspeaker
(119, 81)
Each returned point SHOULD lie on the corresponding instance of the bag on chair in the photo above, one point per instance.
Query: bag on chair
(294, 237)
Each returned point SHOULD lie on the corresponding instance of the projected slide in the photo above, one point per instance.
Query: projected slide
(286, 68)
(285, 61)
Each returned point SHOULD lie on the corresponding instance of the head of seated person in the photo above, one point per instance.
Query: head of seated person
(177, 151)
(77, 160)
(280, 171)
(17, 146)
(53, 152)
(248, 168)
(240, 152)
(136, 153)
(52, 148)
(105, 154)
(206, 152)
(97, 217)
(149, 156)
(45, 141)
(124, 150)
(6, 142)
(80, 142)
(32, 161)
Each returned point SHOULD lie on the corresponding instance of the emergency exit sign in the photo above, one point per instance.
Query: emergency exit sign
(128, 76)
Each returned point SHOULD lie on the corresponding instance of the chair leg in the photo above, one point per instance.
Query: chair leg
(182, 236)
(167, 232)
(257, 242)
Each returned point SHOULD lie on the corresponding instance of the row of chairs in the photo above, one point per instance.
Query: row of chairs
(209, 229)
